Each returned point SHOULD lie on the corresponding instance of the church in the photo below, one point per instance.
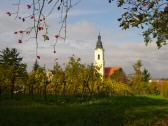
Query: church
(99, 61)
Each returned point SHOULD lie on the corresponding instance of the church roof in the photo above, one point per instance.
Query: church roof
(111, 70)
(99, 43)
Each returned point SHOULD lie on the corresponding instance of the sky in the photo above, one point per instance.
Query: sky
(85, 21)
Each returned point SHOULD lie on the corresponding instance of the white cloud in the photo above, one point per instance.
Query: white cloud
(76, 12)
(82, 31)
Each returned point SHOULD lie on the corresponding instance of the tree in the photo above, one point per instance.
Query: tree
(10, 57)
(141, 80)
(36, 65)
(73, 76)
(138, 73)
(137, 78)
(119, 76)
(2, 78)
(146, 75)
(58, 78)
(149, 15)
(80, 79)
(41, 77)
(14, 68)
(31, 82)
(112, 87)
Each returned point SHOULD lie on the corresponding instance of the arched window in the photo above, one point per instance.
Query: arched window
(98, 56)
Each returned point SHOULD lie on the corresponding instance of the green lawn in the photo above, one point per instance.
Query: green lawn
(111, 111)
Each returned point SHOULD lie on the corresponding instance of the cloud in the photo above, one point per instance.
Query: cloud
(82, 31)
(76, 12)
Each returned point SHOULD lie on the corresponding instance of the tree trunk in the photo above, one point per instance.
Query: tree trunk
(64, 89)
(55, 89)
(45, 92)
(84, 89)
(29, 90)
(0, 91)
(12, 86)
(32, 91)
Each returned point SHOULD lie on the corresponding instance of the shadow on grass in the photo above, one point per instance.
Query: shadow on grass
(109, 111)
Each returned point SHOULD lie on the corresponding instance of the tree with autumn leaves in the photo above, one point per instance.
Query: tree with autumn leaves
(58, 80)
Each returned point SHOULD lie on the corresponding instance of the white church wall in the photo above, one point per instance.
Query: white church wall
(99, 60)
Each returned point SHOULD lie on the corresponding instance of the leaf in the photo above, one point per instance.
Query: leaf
(23, 19)
(119, 19)
(19, 41)
(28, 6)
(58, 8)
(46, 37)
(38, 57)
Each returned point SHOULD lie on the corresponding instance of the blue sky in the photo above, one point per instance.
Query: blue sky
(85, 21)
(104, 16)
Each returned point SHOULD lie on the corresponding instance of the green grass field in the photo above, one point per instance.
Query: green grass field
(59, 111)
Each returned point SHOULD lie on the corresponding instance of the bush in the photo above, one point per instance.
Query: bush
(145, 88)
(112, 87)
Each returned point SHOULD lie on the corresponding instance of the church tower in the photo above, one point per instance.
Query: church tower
(99, 56)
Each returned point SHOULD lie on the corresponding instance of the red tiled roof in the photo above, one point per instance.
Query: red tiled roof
(111, 70)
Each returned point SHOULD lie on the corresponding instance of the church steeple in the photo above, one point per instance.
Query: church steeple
(99, 42)
(99, 56)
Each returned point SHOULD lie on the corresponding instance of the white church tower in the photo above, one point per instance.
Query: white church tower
(99, 56)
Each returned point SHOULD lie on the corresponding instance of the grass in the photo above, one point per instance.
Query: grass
(60, 111)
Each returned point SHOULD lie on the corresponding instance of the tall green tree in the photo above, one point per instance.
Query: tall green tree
(2, 78)
(73, 75)
(137, 78)
(141, 79)
(41, 77)
(12, 62)
(80, 79)
(58, 78)
(146, 75)
(31, 83)
(32, 79)
(10, 57)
